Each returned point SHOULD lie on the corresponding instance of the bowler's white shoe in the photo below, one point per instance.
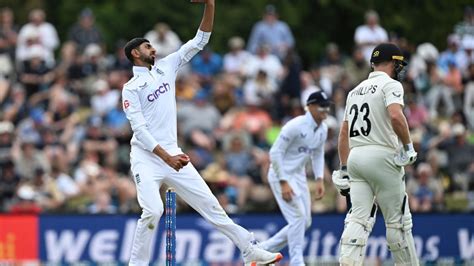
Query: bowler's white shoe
(254, 255)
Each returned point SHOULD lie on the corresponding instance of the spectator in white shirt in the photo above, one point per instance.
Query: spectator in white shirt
(236, 59)
(163, 39)
(267, 62)
(370, 34)
(45, 32)
(104, 98)
(260, 90)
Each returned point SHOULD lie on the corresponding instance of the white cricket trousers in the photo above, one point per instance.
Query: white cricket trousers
(297, 214)
(149, 172)
(374, 174)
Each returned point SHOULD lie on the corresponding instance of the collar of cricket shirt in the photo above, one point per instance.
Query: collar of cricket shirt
(377, 74)
(140, 69)
(311, 121)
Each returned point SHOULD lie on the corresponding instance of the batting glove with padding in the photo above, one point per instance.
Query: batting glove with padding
(406, 156)
(340, 178)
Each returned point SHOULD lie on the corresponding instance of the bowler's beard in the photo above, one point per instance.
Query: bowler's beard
(148, 59)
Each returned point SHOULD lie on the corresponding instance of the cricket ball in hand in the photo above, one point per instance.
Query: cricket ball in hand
(185, 159)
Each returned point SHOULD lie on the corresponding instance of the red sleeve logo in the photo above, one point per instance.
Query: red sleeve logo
(126, 104)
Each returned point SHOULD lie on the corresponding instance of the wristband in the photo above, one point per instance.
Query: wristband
(344, 168)
(409, 147)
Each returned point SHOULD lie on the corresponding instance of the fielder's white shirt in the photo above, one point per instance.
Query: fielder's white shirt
(149, 101)
(300, 140)
(367, 114)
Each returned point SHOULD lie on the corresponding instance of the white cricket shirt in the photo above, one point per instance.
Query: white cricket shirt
(300, 140)
(149, 101)
(367, 114)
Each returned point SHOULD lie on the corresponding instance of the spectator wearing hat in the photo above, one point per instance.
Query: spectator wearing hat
(425, 192)
(24, 202)
(426, 54)
(94, 61)
(460, 151)
(273, 32)
(237, 58)
(452, 143)
(104, 99)
(84, 31)
(163, 39)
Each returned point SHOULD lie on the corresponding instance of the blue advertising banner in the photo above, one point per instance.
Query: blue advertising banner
(109, 238)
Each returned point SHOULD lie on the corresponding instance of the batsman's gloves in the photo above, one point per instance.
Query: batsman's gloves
(340, 178)
(405, 156)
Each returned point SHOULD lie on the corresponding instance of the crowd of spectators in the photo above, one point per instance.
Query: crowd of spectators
(64, 140)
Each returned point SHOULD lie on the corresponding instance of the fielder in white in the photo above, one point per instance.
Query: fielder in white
(374, 146)
(300, 140)
(150, 105)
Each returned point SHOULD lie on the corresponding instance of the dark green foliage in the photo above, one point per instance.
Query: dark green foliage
(314, 22)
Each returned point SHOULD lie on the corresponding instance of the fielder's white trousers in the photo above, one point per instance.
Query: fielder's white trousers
(149, 172)
(297, 213)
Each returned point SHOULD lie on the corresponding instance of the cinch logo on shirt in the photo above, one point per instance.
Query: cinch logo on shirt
(156, 94)
(305, 149)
